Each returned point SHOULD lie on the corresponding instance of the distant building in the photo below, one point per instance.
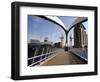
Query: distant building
(46, 39)
(70, 38)
(35, 48)
(58, 45)
(34, 41)
(80, 36)
(37, 42)
(62, 41)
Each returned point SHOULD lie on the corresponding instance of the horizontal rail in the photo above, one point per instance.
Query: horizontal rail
(40, 57)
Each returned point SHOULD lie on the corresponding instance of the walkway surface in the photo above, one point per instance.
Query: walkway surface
(63, 58)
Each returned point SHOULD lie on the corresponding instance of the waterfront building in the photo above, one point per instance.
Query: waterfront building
(80, 36)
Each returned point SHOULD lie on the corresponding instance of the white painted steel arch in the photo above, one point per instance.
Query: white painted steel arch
(78, 20)
(57, 20)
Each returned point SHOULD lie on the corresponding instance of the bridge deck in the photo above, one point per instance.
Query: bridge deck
(63, 58)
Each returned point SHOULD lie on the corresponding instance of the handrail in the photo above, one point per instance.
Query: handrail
(52, 52)
(40, 55)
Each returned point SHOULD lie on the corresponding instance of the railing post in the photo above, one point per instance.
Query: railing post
(42, 53)
(34, 55)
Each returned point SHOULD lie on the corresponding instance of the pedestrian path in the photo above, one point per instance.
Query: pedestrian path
(63, 58)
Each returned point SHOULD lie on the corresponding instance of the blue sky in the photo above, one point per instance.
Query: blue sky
(39, 28)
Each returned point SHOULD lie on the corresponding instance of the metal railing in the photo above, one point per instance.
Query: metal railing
(81, 52)
(40, 58)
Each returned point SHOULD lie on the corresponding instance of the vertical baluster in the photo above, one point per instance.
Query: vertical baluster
(34, 55)
(42, 53)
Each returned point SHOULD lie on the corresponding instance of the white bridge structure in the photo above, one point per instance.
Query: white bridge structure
(57, 21)
(47, 50)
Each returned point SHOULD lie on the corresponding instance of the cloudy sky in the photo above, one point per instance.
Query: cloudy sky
(39, 28)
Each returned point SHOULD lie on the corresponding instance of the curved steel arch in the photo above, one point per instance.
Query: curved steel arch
(57, 21)
(77, 21)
